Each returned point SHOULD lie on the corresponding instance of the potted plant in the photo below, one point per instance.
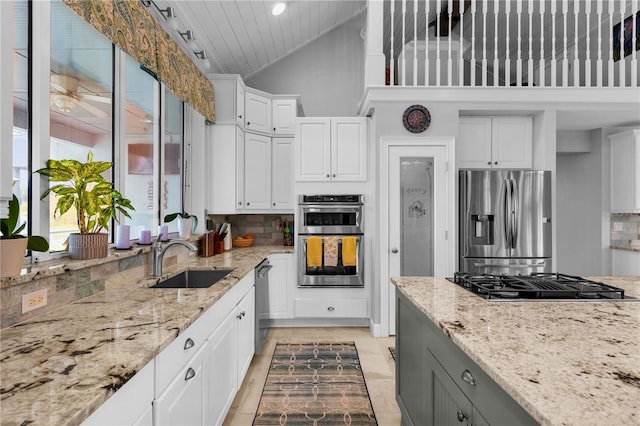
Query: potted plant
(187, 223)
(13, 244)
(94, 199)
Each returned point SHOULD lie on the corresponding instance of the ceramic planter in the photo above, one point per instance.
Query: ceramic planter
(12, 256)
(88, 246)
(185, 227)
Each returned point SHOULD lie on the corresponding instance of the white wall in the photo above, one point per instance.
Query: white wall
(328, 73)
(579, 218)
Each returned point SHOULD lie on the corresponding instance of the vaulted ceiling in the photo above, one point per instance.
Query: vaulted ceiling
(243, 37)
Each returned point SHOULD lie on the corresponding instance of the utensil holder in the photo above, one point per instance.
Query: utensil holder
(287, 239)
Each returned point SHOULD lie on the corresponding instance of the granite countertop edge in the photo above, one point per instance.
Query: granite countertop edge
(628, 248)
(453, 308)
(69, 361)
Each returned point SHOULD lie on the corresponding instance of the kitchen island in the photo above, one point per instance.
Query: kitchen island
(563, 363)
(60, 367)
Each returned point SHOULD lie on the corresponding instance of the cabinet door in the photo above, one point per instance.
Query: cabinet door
(284, 115)
(348, 149)
(449, 405)
(625, 172)
(246, 321)
(281, 284)
(473, 150)
(222, 376)
(511, 142)
(313, 149)
(222, 153)
(257, 111)
(131, 404)
(412, 381)
(282, 194)
(185, 399)
(239, 172)
(257, 172)
(240, 104)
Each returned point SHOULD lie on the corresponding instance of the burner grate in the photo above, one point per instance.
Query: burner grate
(536, 286)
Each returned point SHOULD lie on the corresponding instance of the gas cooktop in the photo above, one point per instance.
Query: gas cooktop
(537, 286)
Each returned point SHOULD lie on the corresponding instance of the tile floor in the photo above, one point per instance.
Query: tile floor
(377, 365)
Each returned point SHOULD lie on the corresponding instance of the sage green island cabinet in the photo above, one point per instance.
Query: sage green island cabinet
(438, 384)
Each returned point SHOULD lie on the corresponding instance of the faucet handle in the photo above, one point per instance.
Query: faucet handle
(158, 240)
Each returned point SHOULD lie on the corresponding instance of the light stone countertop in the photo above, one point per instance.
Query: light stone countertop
(58, 368)
(566, 363)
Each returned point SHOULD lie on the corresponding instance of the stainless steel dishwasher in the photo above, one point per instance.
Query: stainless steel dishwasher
(262, 304)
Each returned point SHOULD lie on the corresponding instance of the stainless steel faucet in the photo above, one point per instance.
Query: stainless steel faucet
(159, 250)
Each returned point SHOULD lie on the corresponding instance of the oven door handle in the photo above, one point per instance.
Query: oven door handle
(508, 265)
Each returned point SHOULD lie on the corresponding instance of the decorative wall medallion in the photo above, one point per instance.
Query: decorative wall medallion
(416, 119)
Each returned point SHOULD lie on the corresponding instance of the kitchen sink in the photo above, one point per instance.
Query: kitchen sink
(194, 278)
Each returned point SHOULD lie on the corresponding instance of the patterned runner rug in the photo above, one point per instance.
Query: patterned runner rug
(315, 384)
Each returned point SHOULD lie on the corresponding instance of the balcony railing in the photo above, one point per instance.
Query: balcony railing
(491, 43)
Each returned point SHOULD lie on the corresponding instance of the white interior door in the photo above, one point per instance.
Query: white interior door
(417, 202)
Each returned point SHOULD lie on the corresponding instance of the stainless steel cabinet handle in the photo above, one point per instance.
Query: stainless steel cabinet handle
(191, 373)
(394, 250)
(468, 377)
(188, 344)
(331, 309)
(461, 415)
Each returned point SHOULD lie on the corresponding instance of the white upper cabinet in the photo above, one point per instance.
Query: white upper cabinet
(257, 172)
(229, 98)
(495, 142)
(257, 110)
(625, 171)
(331, 149)
(282, 193)
(348, 149)
(284, 116)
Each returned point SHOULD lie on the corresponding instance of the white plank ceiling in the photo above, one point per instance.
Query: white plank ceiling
(243, 37)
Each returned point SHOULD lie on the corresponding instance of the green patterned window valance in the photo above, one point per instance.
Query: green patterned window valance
(132, 28)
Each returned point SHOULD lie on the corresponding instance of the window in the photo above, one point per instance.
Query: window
(172, 153)
(141, 146)
(20, 162)
(81, 89)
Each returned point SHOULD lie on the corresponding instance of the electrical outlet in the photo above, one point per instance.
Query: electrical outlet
(617, 227)
(34, 300)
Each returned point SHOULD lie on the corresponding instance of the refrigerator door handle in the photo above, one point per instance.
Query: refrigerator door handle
(506, 209)
(515, 214)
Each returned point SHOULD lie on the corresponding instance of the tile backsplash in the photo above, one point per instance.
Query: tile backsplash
(267, 229)
(625, 229)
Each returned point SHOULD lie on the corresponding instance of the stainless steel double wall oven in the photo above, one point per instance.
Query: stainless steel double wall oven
(330, 241)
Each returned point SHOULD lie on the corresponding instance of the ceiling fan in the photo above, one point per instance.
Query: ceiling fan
(65, 96)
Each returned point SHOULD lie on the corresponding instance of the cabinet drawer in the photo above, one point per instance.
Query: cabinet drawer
(490, 399)
(331, 308)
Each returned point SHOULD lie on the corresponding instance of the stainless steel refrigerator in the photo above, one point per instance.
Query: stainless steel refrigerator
(505, 221)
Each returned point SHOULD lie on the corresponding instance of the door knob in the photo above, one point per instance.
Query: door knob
(394, 250)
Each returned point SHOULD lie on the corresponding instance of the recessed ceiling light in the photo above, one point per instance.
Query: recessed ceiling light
(278, 8)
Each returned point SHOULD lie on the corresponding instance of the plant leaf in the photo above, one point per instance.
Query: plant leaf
(37, 243)
(168, 218)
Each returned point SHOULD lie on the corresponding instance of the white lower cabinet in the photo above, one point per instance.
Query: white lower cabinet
(185, 400)
(194, 380)
(131, 404)
(222, 374)
(281, 285)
